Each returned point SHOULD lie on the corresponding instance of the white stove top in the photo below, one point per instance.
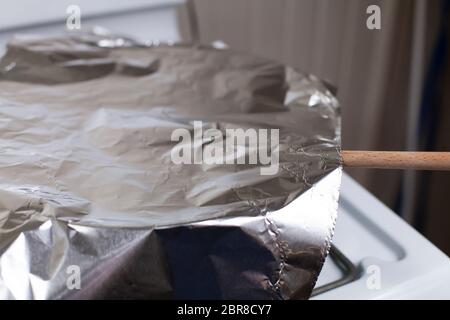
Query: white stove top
(392, 260)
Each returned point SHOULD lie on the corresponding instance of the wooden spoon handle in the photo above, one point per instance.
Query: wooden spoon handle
(397, 160)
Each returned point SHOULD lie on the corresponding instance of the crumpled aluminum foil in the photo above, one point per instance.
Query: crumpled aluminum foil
(87, 183)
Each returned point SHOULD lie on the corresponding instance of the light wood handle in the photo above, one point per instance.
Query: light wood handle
(397, 160)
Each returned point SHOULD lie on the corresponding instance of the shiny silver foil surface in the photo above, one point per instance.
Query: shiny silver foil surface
(88, 188)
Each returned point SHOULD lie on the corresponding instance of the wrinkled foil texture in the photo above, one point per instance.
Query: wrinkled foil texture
(86, 177)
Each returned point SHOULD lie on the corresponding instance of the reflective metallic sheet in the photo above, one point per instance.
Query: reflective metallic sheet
(86, 177)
